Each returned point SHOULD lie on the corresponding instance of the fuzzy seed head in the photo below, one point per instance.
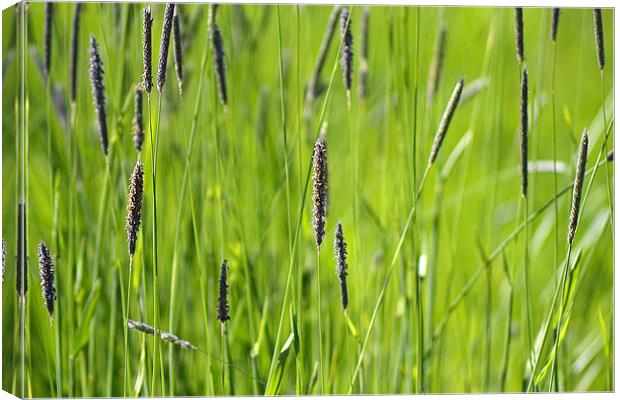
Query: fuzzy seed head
(164, 45)
(523, 136)
(46, 270)
(445, 120)
(598, 38)
(140, 326)
(313, 85)
(222, 298)
(555, 20)
(319, 187)
(178, 48)
(346, 60)
(138, 124)
(98, 92)
(340, 252)
(434, 75)
(134, 206)
(147, 47)
(582, 159)
(519, 33)
(218, 59)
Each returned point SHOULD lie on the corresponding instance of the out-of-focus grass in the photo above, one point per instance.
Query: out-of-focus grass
(478, 205)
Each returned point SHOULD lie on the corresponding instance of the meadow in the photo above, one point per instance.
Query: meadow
(420, 203)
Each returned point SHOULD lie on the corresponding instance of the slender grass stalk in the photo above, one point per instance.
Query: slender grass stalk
(187, 168)
(506, 359)
(297, 231)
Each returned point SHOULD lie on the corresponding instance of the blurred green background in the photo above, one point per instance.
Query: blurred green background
(236, 203)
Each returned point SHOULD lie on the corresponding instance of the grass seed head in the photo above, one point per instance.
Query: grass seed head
(218, 59)
(140, 326)
(222, 297)
(555, 20)
(47, 39)
(22, 258)
(319, 187)
(519, 33)
(138, 123)
(74, 50)
(340, 251)
(134, 206)
(313, 85)
(178, 48)
(434, 74)
(598, 38)
(346, 61)
(164, 45)
(46, 270)
(147, 48)
(582, 159)
(610, 156)
(523, 136)
(98, 92)
(445, 120)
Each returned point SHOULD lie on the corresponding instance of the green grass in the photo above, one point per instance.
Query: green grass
(235, 184)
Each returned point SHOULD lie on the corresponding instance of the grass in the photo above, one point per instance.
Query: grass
(234, 183)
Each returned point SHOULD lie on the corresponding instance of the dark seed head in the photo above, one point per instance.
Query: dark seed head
(138, 124)
(555, 20)
(523, 136)
(222, 298)
(47, 38)
(74, 49)
(610, 156)
(147, 40)
(445, 120)
(346, 60)
(319, 187)
(598, 38)
(218, 59)
(519, 33)
(340, 252)
(134, 206)
(22, 259)
(582, 159)
(164, 45)
(46, 270)
(98, 92)
(178, 48)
